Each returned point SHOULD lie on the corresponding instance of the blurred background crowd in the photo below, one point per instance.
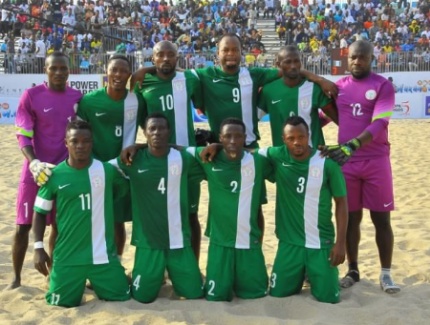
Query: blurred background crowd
(88, 31)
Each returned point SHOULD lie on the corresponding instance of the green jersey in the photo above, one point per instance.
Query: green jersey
(304, 192)
(235, 189)
(83, 199)
(304, 100)
(159, 196)
(114, 122)
(235, 95)
(174, 98)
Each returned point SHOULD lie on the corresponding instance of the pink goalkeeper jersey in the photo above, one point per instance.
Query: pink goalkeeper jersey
(365, 104)
(41, 121)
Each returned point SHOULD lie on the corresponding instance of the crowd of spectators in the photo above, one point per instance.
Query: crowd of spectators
(87, 30)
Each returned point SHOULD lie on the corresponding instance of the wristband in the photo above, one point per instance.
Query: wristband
(38, 244)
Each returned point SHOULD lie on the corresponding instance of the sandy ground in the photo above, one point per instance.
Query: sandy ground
(364, 303)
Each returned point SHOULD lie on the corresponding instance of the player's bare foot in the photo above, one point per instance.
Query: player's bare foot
(15, 284)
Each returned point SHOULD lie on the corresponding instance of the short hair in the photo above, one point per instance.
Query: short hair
(156, 115)
(234, 121)
(78, 124)
(119, 56)
(288, 49)
(55, 55)
(294, 121)
(230, 35)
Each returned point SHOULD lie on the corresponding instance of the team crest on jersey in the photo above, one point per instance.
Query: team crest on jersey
(245, 80)
(131, 115)
(247, 171)
(370, 94)
(178, 85)
(174, 169)
(304, 102)
(315, 172)
(96, 182)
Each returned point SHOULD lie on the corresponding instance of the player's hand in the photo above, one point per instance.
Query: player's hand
(42, 262)
(328, 87)
(337, 254)
(127, 154)
(340, 153)
(209, 152)
(41, 171)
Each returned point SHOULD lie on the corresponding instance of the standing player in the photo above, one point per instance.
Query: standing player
(235, 180)
(42, 116)
(293, 95)
(115, 114)
(82, 190)
(172, 93)
(306, 183)
(161, 229)
(365, 104)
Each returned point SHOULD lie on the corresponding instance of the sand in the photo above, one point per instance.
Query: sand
(364, 303)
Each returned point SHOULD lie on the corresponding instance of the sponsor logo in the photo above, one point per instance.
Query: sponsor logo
(140, 171)
(216, 169)
(216, 80)
(286, 165)
(276, 101)
(403, 108)
(100, 114)
(60, 187)
(46, 110)
(386, 205)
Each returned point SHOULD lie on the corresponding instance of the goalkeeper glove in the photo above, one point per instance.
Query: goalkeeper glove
(341, 153)
(41, 171)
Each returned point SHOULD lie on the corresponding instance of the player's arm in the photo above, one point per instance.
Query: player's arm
(331, 111)
(337, 253)
(328, 87)
(138, 77)
(42, 262)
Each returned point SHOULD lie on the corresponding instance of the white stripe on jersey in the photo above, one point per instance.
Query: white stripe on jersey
(96, 174)
(247, 180)
(312, 199)
(131, 105)
(45, 205)
(246, 87)
(179, 91)
(174, 175)
(305, 105)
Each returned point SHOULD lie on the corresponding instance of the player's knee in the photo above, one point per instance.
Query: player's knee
(22, 231)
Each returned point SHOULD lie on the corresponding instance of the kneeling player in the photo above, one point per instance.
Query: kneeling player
(81, 188)
(159, 178)
(235, 180)
(306, 183)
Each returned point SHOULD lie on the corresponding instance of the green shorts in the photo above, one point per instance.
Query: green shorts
(193, 196)
(122, 208)
(293, 262)
(229, 270)
(148, 273)
(67, 283)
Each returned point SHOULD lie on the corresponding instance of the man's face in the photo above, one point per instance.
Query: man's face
(359, 61)
(296, 138)
(79, 144)
(289, 63)
(229, 54)
(157, 133)
(232, 138)
(118, 73)
(165, 58)
(57, 70)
